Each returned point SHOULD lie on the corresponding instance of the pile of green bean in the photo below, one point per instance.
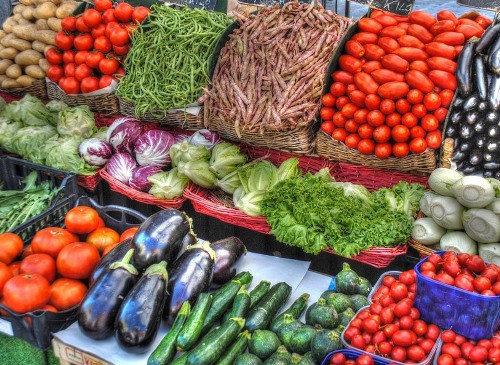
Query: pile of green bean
(167, 66)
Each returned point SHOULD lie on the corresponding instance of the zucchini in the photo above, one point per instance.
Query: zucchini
(296, 309)
(300, 342)
(165, 351)
(364, 286)
(181, 360)
(358, 301)
(263, 343)
(214, 343)
(280, 357)
(288, 327)
(321, 314)
(191, 331)
(237, 347)
(247, 359)
(339, 301)
(258, 292)
(241, 304)
(223, 298)
(324, 342)
(262, 314)
(347, 280)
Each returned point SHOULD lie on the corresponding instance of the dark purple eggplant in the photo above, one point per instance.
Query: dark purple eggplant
(159, 238)
(116, 254)
(139, 317)
(472, 117)
(493, 145)
(481, 139)
(227, 252)
(493, 131)
(469, 169)
(464, 146)
(97, 312)
(488, 38)
(492, 165)
(476, 157)
(189, 275)
(464, 68)
(458, 156)
(456, 116)
(481, 81)
(466, 131)
(493, 59)
(471, 103)
(188, 240)
(494, 91)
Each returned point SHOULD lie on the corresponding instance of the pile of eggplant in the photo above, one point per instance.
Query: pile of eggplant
(474, 119)
(148, 277)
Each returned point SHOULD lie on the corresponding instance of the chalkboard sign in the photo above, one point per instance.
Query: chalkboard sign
(493, 5)
(401, 7)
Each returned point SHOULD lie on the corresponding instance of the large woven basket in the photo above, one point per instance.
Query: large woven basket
(38, 89)
(422, 163)
(173, 118)
(298, 141)
(104, 103)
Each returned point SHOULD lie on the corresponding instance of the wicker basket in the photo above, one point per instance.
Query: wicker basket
(298, 141)
(140, 196)
(173, 118)
(38, 89)
(89, 182)
(423, 163)
(104, 103)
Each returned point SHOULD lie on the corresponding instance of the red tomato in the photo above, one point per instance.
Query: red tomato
(80, 57)
(365, 131)
(77, 260)
(404, 338)
(102, 44)
(434, 139)
(64, 41)
(123, 12)
(372, 102)
(327, 127)
(5, 275)
(475, 264)
(440, 113)
(108, 16)
(415, 96)
(119, 36)
(403, 106)
(352, 140)
(54, 56)
(140, 13)
(93, 58)
(409, 120)
(387, 106)
(105, 81)
(14, 267)
(446, 96)
(81, 219)
(68, 24)
(26, 292)
(429, 122)
(103, 5)
(70, 85)
(109, 66)
(39, 263)
(348, 110)
(418, 145)
(364, 359)
(400, 133)
(91, 17)
(11, 247)
(326, 113)
(375, 118)
(337, 89)
(81, 26)
(432, 101)
(102, 237)
(98, 31)
(403, 307)
(419, 110)
(89, 84)
(337, 359)
(51, 240)
(328, 100)
(366, 146)
(82, 71)
(66, 293)
(68, 56)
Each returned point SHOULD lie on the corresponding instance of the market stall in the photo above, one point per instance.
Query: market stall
(274, 183)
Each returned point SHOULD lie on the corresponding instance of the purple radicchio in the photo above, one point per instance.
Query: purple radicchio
(95, 151)
(120, 166)
(123, 133)
(204, 137)
(139, 179)
(152, 147)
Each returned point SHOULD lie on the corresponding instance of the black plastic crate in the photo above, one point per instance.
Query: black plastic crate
(36, 327)
(12, 173)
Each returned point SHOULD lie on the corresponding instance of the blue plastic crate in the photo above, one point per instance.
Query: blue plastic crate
(472, 315)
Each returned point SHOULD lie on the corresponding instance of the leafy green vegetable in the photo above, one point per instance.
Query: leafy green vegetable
(259, 176)
(313, 214)
(77, 121)
(226, 157)
(29, 142)
(198, 172)
(62, 153)
(30, 111)
(249, 203)
(288, 169)
(185, 152)
(229, 183)
(167, 184)
(402, 197)
(8, 130)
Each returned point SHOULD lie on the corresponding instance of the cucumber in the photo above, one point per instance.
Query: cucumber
(280, 357)
(223, 298)
(321, 314)
(247, 359)
(264, 311)
(215, 343)
(181, 360)
(347, 280)
(288, 327)
(324, 342)
(300, 342)
(190, 332)
(237, 347)
(263, 343)
(165, 351)
(258, 292)
(241, 304)
(295, 310)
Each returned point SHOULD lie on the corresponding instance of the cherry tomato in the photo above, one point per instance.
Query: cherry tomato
(434, 139)
(338, 89)
(352, 140)
(382, 134)
(400, 133)
(416, 353)
(366, 146)
(327, 127)
(432, 101)
(429, 122)
(375, 118)
(328, 100)
(339, 134)
(326, 113)
(337, 359)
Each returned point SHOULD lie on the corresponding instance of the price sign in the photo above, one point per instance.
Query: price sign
(400, 7)
(493, 5)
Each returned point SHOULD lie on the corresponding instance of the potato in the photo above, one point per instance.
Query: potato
(34, 71)
(28, 13)
(14, 71)
(9, 24)
(10, 84)
(17, 16)
(25, 80)
(27, 2)
(2, 77)
(42, 24)
(66, 9)
(17, 43)
(3, 33)
(38, 46)
(55, 24)
(26, 32)
(28, 57)
(23, 21)
(4, 65)
(38, 2)
(44, 64)
(18, 9)
(8, 53)
(45, 11)
(2, 47)
(46, 36)
(6, 40)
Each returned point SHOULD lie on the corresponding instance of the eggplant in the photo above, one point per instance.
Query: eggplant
(488, 38)
(492, 165)
(464, 146)
(469, 170)
(227, 252)
(190, 275)
(451, 131)
(97, 312)
(188, 240)
(159, 238)
(483, 106)
(463, 73)
(116, 254)
(493, 59)
(472, 117)
(458, 156)
(479, 127)
(139, 317)
(471, 102)
(493, 145)
(494, 92)
(489, 157)
(456, 117)
(491, 117)
(481, 82)
(466, 131)
(476, 157)
(493, 131)
(481, 139)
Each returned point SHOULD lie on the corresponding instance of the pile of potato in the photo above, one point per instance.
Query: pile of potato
(24, 38)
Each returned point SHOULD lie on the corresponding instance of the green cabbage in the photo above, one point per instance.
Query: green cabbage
(62, 153)
(198, 172)
(259, 176)
(289, 168)
(76, 121)
(249, 203)
(226, 158)
(229, 183)
(185, 152)
(8, 130)
(30, 142)
(167, 184)
(30, 111)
